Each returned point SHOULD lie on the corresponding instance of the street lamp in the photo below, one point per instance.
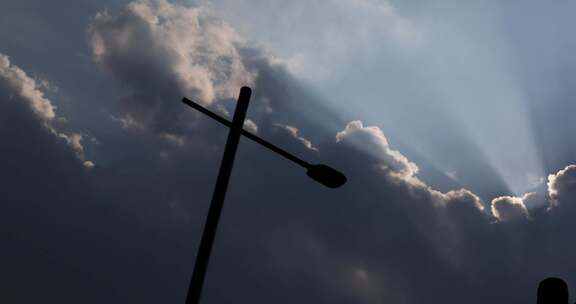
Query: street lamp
(323, 174)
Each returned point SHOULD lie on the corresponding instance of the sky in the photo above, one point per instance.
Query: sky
(451, 119)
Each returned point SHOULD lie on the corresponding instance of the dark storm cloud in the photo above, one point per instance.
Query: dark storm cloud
(133, 222)
(383, 174)
(386, 236)
(72, 231)
(42, 182)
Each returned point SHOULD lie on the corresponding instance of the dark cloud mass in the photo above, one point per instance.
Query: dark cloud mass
(126, 230)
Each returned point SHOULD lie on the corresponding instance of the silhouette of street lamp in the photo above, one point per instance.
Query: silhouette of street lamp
(323, 174)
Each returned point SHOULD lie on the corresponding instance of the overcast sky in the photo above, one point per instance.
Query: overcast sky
(453, 121)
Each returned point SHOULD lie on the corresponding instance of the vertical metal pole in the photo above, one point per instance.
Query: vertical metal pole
(203, 256)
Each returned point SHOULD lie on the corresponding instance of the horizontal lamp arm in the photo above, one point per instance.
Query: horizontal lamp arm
(249, 135)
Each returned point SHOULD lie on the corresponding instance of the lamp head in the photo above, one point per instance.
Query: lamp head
(327, 176)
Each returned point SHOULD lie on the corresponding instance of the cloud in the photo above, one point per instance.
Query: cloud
(386, 236)
(536, 202)
(20, 90)
(46, 202)
(294, 133)
(161, 52)
(507, 208)
(560, 190)
(20, 86)
(357, 243)
(383, 180)
(372, 141)
(562, 185)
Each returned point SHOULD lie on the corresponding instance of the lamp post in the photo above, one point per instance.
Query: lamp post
(320, 173)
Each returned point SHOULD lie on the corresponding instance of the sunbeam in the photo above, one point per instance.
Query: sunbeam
(475, 84)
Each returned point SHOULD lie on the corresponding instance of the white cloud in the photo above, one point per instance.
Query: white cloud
(294, 133)
(88, 164)
(373, 141)
(535, 201)
(21, 88)
(174, 139)
(507, 208)
(20, 84)
(251, 126)
(562, 185)
(561, 190)
(160, 49)
(74, 140)
(400, 171)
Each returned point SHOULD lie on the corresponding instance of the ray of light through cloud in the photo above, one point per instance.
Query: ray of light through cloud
(371, 60)
(481, 91)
